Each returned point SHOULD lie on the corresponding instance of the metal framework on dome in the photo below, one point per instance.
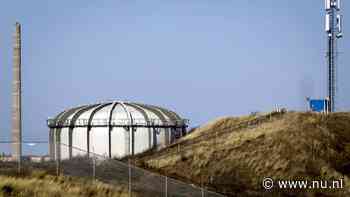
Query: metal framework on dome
(140, 122)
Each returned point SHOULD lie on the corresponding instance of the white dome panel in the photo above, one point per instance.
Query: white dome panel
(99, 141)
(79, 141)
(64, 143)
(118, 143)
(119, 115)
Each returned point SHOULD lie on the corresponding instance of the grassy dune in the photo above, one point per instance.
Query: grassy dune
(39, 183)
(39, 180)
(293, 146)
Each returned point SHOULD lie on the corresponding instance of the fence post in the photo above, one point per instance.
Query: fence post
(57, 167)
(202, 191)
(57, 161)
(129, 177)
(166, 186)
(94, 167)
(19, 164)
(93, 164)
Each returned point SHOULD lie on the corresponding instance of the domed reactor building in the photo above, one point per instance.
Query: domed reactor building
(113, 129)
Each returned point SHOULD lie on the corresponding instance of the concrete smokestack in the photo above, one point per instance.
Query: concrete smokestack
(16, 97)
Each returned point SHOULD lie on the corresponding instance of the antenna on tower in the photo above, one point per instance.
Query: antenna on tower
(333, 27)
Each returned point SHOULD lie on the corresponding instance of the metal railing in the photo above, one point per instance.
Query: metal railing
(118, 122)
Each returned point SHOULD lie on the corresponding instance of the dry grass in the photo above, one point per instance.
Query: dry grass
(219, 123)
(296, 146)
(41, 184)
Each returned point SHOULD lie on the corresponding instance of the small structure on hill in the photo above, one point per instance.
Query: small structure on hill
(318, 105)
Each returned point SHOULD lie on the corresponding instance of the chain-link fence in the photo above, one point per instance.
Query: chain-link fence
(132, 180)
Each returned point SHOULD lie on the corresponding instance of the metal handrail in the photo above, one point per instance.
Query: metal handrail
(117, 122)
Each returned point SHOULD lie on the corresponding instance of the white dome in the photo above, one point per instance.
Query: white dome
(117, 114)
(106, 129)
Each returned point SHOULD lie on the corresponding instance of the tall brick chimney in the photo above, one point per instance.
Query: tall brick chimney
(16, 97)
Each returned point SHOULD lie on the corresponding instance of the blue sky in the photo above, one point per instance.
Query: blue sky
(202, 59)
